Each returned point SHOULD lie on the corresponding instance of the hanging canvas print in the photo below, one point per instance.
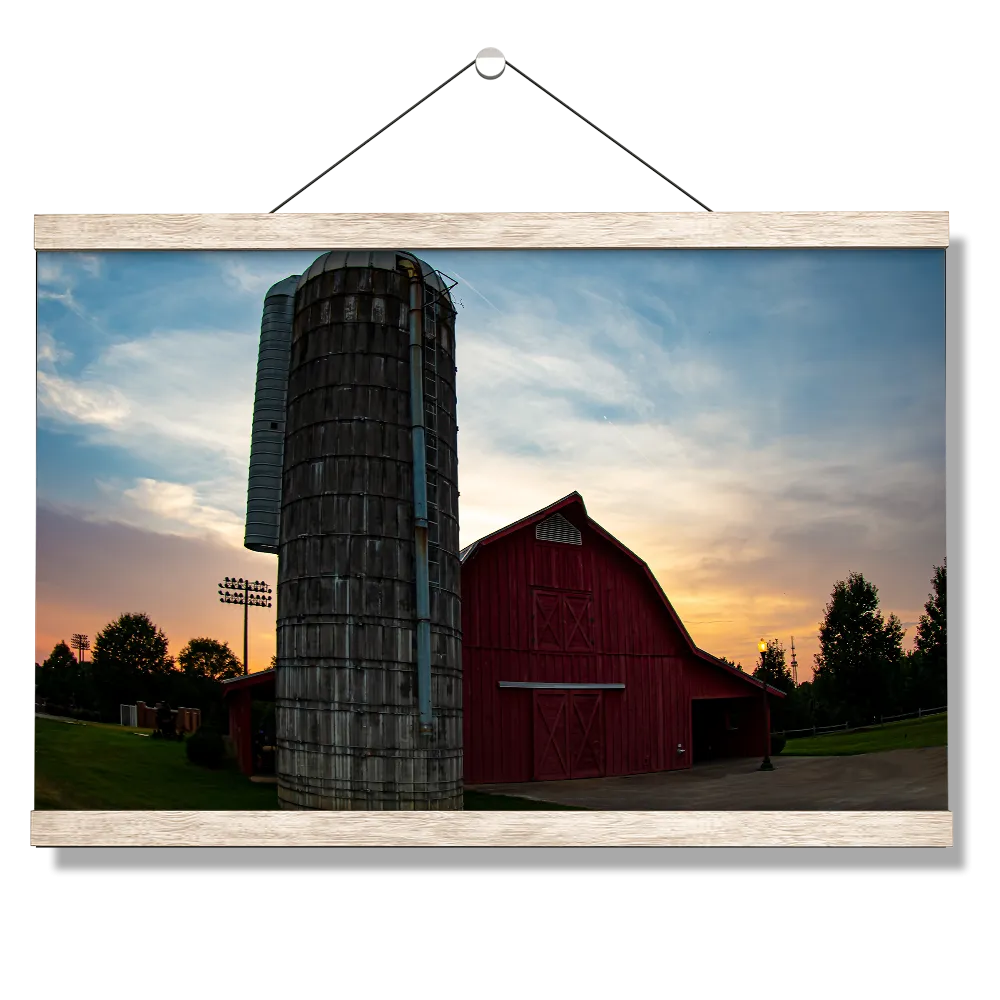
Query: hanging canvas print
(491, 530)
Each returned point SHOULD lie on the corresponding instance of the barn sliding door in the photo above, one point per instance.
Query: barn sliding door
(586, 734)
(568, 734)
(551, 735)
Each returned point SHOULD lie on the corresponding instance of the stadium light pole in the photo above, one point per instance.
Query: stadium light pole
(81, 643)
(765, 764)
(249, 594)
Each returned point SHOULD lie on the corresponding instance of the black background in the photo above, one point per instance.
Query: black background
(796, 126)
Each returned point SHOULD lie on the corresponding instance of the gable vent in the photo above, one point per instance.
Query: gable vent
(557, 529)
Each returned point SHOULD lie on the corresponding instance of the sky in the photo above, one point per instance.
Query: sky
(755, 424)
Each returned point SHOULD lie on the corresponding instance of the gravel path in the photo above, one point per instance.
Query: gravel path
(894, 779)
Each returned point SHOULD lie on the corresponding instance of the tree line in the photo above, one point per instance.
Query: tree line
(862, 672)
(130, 663)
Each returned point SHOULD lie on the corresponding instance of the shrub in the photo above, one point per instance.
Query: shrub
(205, 747)
(777, 743)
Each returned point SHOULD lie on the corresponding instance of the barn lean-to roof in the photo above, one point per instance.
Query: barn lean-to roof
(575, 499)
(258, 678)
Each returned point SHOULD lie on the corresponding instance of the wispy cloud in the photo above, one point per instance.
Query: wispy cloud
(52, 269)
(253, 281)
(66, 298)
(632, 444)
(68, 269)
(181, 397)
(468, 284)
(160, 507)
(179, 508)
(48, 352)
(181, 390)
(79, 402)
(90, 263)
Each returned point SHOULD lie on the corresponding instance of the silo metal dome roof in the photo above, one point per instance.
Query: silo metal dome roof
(383, 259)
(287, 286)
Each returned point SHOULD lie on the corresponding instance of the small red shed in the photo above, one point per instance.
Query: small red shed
(576, 665)
(239, 693)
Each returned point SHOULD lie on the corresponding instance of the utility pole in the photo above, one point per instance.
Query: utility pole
(249, 594)
(795, 665)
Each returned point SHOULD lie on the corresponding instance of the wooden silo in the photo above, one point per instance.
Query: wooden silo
(368, 687)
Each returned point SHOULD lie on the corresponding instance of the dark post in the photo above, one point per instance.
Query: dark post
(765, 764)
(246, 605)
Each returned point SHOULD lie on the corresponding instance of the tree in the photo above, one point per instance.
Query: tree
(203, 657)
(58, 679)
(932, 632)
(799, 709)
(61, 658)
(859, 650)
(204, 663)
(130, 663)
(737, 666)
(929, 662)
(771, 667)
(771, 670)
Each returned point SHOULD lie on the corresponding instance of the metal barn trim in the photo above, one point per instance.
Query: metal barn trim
(557, 686)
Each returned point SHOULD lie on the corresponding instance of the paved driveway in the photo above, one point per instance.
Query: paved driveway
(895, 779)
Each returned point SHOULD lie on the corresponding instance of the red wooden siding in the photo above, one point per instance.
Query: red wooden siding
(238, 693)
(539, 612)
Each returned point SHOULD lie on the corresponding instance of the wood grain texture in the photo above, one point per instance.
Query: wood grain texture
(492, 230)
(491, 829)
(347, 692)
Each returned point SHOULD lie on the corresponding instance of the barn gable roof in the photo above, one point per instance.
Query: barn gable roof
(575, 499)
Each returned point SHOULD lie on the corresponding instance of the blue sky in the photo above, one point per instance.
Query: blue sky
(754, 424)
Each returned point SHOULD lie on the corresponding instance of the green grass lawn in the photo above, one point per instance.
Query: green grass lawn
(931, 731)
(97, 766)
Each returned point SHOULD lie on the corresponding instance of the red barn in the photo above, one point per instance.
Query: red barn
(576, 665)
(239, 693)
